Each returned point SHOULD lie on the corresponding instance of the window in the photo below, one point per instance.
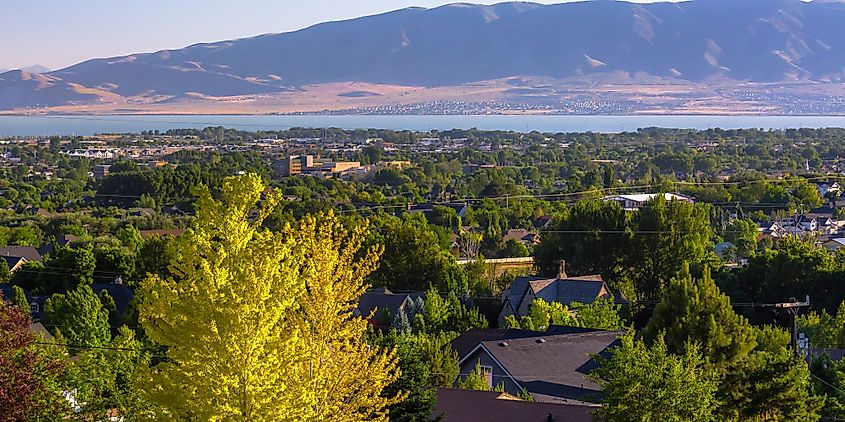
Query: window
(33, 307)
(487, 372)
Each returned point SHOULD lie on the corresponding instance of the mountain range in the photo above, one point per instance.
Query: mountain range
(748, 53)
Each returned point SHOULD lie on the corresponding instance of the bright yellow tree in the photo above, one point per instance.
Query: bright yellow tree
(257, 324)
(344, 375)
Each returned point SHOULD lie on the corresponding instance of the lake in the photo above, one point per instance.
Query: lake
(90, 125)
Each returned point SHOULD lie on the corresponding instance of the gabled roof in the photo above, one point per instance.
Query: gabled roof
(383, 299)
(13, 262)
(27, 252)
(553, 366)
(163, 232)
(469, 340)
(456, 405)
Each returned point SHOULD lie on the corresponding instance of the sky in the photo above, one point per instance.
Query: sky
(59, 33)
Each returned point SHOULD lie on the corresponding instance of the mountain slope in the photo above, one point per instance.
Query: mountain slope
(697, 41)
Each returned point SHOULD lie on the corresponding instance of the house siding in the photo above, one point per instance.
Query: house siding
(480, 356)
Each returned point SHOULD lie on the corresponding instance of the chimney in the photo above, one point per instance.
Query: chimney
(561, 273)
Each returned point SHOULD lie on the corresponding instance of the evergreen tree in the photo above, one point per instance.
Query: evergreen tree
(696, 311)
(19, 299)
(769, 385)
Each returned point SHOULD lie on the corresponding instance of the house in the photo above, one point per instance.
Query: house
(827, 190)
(14, 263)
(121, 294)
(378, 302)
(27, 252)
(637, 201)
(468, 341)
(36, 303)
(146, 234)
(527, 238)
(541, 222)
(456, 405)
(834, 245)
(564, 289)
(460, 209)
(551, 368)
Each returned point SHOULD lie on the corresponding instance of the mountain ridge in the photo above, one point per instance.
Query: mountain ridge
(702, 42)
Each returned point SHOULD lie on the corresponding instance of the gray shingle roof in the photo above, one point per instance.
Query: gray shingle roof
(27, 252)
(487, 406)
(555, 366)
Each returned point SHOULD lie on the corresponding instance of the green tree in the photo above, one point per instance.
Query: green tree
(414, 257)
(108, 379)
(20, 300)
(5, 273)
(641, 383)
(695, 311)
(591, 237)
(769, 385)
(80, 316)
(477, 380)
(668, 234)
(743, 234)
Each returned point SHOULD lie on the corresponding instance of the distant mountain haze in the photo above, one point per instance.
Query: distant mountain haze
(701, 41)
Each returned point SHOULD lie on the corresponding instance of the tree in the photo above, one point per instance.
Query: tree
(602, 314)
(109, 374)
(446, 314)
(696, 311)
(238, 309)
(80, 316)
(477, 380)
(769, 385)
(515, 248)
(414, 257)
(668, 234)
(30, 374)
(5, 273)
(641, 383)
(74, 266)
(20, 300)
(743, 234)
(427, 361)
(828, 380)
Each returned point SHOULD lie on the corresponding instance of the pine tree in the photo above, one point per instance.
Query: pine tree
(697, 311)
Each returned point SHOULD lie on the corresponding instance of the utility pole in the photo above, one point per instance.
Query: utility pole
(793, 306)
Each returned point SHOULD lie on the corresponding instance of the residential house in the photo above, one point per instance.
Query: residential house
(468, 341)
(381, 303)
(460, 208)
(551, 368)
(27, 252)
(832, 189)
(564, 289)
(121, 294)
(637, 201)
(527, 238)
(14, 263)
(146, 234)
(541, 222)
(457, 405)
(834, 245)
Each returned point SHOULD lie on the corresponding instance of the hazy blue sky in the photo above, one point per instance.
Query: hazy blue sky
(58, 33)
